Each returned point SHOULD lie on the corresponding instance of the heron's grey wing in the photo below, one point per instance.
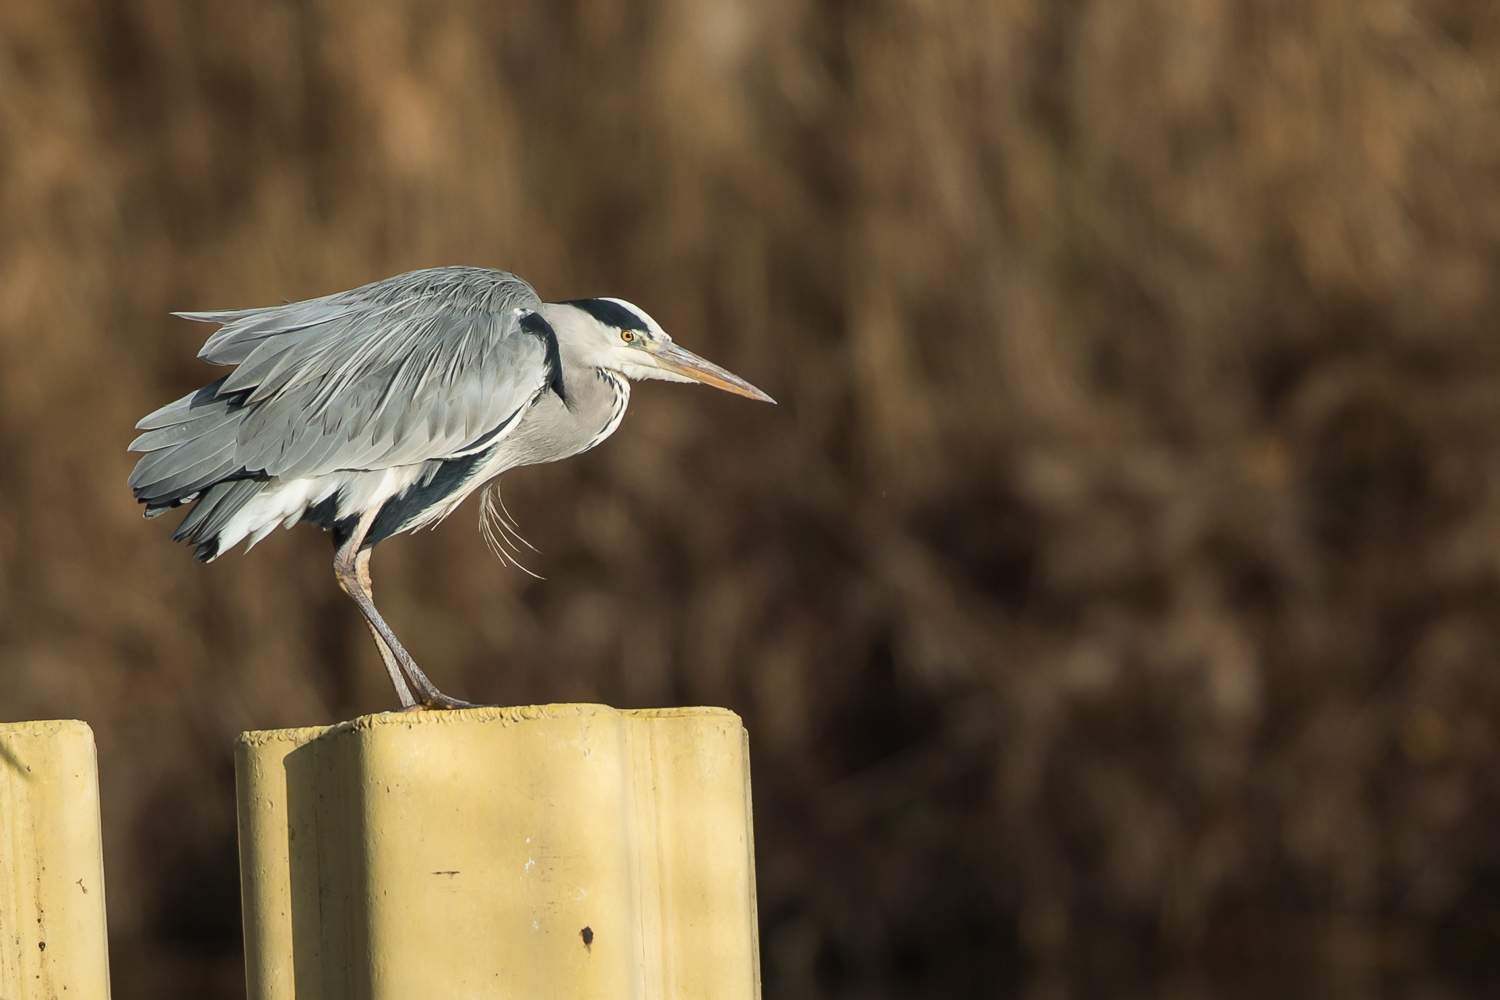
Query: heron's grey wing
(242, 330)
(436, 386)
(428, 365)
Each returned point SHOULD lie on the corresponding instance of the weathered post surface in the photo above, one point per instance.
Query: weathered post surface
(53, 941)
(555, 851)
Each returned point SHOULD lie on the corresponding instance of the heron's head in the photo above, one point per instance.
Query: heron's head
(615, 335)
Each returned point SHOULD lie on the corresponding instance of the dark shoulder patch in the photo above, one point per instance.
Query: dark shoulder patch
(536, 325)
(611, 314)
(400, 511)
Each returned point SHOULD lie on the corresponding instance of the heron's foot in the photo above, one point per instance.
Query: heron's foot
(437, 701)
(426, 693)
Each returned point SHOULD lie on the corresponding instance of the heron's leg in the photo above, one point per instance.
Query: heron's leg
(393, 669)
(347, 567)
(357, 588)
(401, 675)
(398, 680)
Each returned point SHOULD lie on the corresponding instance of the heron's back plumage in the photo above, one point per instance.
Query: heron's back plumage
(370, 390)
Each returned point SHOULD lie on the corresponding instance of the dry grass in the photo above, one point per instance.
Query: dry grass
(1114, 589)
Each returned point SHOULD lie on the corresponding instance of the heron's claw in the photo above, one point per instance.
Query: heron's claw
(438, 701)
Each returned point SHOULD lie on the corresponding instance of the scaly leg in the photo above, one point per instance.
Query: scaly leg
(398, 680)
(351, 567)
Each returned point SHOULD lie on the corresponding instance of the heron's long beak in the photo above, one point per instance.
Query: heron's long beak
(687, 364)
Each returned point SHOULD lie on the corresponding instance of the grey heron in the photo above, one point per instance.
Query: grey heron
(378, 410)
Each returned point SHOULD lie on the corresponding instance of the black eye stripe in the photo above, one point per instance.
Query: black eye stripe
(611, 314)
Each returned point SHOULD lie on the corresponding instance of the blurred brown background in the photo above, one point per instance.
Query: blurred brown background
(1112, 599)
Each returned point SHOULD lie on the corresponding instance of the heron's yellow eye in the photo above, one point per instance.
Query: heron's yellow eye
(627, 336)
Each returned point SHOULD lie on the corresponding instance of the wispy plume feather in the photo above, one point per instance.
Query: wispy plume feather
(500, 530)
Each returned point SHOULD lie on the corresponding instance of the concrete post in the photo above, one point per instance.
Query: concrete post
(53, 941)
(560, 851)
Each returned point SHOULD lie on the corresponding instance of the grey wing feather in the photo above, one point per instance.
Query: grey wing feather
(215, 508)
(242, 329)
(189, 444)
(426, 365)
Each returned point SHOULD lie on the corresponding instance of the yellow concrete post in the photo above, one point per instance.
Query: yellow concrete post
(53, 941)
(558, 851)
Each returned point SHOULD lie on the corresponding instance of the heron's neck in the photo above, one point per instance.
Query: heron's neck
(607, 384)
